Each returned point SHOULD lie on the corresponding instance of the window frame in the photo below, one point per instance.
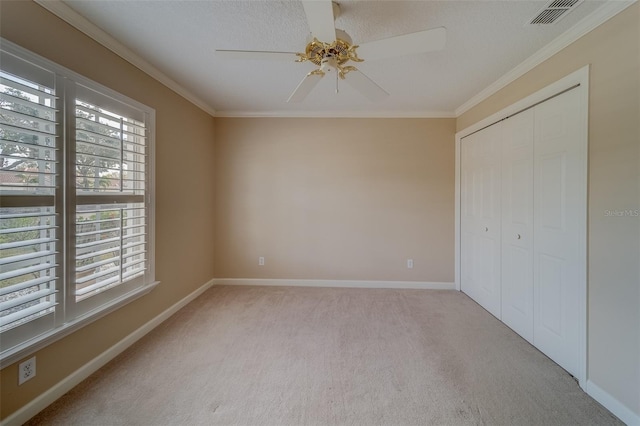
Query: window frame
(70, 315)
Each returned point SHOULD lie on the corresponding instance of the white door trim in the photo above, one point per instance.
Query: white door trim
(580, 77)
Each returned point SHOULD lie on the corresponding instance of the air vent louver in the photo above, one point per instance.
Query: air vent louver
(554, 11)
(566, 4)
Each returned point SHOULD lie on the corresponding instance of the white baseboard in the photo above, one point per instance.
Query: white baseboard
(336, 283)
(49, 396)
(612, 404)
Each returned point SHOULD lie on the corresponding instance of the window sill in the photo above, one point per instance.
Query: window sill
(16, 353)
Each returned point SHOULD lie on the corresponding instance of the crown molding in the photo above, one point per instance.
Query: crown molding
(592, 21)
(79, 22)
(336, 114)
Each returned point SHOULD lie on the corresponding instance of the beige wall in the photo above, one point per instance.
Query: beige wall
(613, 50)
(335, 199)
(184, 229)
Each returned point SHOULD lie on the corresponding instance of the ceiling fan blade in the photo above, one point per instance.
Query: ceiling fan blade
(320, 18)
(365, 85)
(260, 54)
(305, 87)
(408, 44)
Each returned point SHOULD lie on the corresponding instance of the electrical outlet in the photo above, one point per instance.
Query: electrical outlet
(261, 261)
(26, 370)
(409, 263)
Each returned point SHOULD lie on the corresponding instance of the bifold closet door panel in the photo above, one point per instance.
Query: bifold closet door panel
(469, 161)
(480, 228)
(557, 254)
(517, 223)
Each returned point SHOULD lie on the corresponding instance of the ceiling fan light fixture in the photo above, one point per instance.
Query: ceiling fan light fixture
(329, 64)
(341, 50)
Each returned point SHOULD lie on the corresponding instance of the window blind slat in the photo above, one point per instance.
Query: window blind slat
(44, 109)
(133, 273)
(127, 227)
(10, 120)
(28, 297)
(83, 144)
(136, 235)
(28, 173)
(133, 244)
(34, 198)
(103, 156)
(108, 201)
(98, 243)
(133, 263)
(98, 274)
(98, 232)
(25, 215)
(97, 286)
(23, 257)
(89, 135)
(30, 186)
(135, 253)
(24, 313)
(16, 244)
(99, 172)
(107, 178)
(85, 125)
(26, 229)
(29, 131)
(26, 284)
(28, 117)
(119, 133)
(27, 89)
(30, 270)
(138, 125)
(44, 146)
(96, 264)
(24, 150)
(103, 172)
(80, 223)
(110, 194)
(97, 253)
(116, 157)
(49, 161)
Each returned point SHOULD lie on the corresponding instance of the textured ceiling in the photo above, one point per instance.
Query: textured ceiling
(485, 40)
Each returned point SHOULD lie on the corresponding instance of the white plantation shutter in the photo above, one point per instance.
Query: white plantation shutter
(30, 238)
(76, 216)
(111, 181)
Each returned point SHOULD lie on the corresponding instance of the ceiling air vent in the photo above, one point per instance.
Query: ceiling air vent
(554, 11)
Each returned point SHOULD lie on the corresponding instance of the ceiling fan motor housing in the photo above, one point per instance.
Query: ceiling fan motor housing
(341, 49)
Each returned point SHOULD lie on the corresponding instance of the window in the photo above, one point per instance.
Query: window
(76, 219)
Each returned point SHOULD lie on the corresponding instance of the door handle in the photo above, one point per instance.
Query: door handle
(519, 236)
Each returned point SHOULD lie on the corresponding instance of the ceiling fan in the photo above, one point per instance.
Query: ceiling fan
(332, 50)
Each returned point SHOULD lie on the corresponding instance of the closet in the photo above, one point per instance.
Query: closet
(521, 234)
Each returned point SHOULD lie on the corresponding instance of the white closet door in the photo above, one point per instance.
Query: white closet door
(470, 171)
(480, 255)
(517, 223)
(557, 252)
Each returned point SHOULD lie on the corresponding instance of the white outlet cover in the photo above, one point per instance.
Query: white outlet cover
(26, 370)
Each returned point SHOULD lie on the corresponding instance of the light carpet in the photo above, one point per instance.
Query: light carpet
(329, 356)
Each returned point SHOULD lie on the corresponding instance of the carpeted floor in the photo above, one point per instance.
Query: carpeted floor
(328, 356)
